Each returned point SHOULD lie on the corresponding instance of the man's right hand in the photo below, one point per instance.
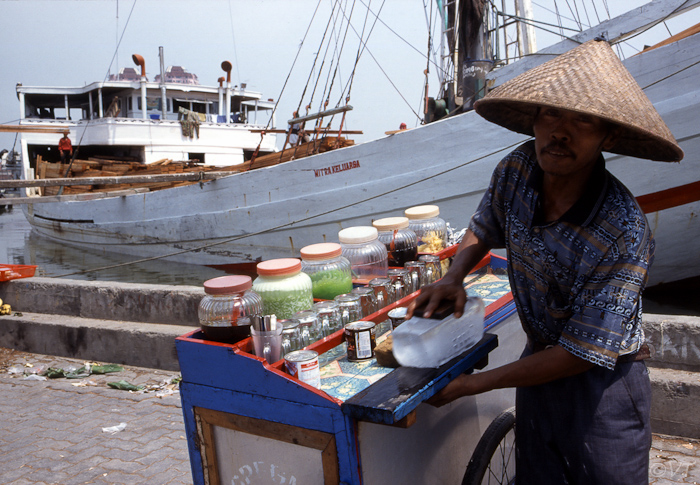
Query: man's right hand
(432, 295)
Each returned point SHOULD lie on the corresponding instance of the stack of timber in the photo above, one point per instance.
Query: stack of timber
(95, 167)
(302, 150)
(113, 167)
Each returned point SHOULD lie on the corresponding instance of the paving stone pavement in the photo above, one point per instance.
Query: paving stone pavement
(51, 431)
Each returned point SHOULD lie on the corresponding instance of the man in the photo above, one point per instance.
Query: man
(579, 248)
(65, 148)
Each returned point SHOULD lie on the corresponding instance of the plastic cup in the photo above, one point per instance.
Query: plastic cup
(268, 344)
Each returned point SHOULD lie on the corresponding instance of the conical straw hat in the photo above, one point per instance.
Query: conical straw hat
(588, 79)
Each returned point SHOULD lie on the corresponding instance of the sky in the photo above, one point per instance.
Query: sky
(73, 43)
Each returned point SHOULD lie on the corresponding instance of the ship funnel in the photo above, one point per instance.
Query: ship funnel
(139, 61)
(227, 66)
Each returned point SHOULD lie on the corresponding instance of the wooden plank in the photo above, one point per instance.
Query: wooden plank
(397, 394)
(128, 179)
(72, 197)
(32, 129)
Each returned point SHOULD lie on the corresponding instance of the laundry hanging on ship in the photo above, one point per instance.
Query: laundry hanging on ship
(189, 120)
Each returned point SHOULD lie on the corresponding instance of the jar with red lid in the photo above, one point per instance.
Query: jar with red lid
(400, 242)
(225, 310)
(283, 287)
(328, 269)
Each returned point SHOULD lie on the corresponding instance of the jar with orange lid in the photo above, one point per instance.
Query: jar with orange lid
(430, 229)
(328, 269)
(400, 242)
(283, 287)
(225, 310)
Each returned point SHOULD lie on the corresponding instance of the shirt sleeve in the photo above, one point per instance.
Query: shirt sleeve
(488, 222)
(606, 318)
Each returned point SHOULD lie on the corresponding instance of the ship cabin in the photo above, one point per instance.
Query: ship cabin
(127, 116)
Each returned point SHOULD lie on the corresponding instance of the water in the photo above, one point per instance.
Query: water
(18, 245)
(426, 342)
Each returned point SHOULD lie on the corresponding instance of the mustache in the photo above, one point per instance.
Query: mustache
(559, 147)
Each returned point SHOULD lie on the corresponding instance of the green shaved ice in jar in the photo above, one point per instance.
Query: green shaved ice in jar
(329, 284)
(285, 304)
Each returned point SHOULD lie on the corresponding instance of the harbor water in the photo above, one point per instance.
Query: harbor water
(20, 245)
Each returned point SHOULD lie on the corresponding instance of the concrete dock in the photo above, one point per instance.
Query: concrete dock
(135, 325)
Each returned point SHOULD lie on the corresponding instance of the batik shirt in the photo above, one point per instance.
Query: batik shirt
(577, 281)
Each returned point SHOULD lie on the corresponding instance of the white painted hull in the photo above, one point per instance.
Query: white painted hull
(275, 211)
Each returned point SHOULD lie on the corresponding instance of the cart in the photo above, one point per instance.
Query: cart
(250, 422)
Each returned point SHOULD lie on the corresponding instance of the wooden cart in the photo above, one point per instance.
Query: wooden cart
(248, 422)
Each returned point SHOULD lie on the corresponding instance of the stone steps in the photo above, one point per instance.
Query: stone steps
(137, 324)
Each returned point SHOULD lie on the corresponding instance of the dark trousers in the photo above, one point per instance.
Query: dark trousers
(592, 428)
(65, 156)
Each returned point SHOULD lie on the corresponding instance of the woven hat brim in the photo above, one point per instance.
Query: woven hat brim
(588, 79)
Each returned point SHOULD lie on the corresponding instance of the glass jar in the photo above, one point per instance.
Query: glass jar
(225, 309)
(350, 307)
(400, 242)
(430, 229)
(368, 300)
(309, 327)
(384, 290)
(283, 287)
(433, 267)
(291, 336)
(328, 314)
(328, 269)
(418, 276)
(368, 257)
(401, 281)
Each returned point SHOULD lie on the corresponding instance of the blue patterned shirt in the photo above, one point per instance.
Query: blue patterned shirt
(577, 281)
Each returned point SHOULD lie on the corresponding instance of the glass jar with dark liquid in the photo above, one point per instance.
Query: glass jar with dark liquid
(401, 243)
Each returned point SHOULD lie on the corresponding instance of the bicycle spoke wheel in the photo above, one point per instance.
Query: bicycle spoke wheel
(493, 460)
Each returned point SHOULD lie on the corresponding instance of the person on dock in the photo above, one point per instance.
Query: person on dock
(579, 248)
(65, 148)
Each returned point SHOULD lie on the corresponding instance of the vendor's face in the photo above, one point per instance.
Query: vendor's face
(568, 144)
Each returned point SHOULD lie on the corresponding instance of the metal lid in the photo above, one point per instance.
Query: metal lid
(279, 267)
(391, 223)
(300, 355)
(422, 212)
(320, 251)
(224, 285)
(360, 325)
(358, 235)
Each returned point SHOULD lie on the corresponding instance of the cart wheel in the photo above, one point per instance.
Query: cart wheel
(493, 460)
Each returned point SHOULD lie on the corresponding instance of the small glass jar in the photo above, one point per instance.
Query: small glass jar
(433, 267)
(400, 242)
(283, 287)
(430, 229)
(368, 300)
(309, 327)
(225, 309)
(291, 336)
(401, 281)
(384, 290)
(328, 314)
(328, 269)
(367, 255)
(350, 307)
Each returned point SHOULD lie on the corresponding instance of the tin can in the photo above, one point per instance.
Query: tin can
(361, 340)
(303, 364)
